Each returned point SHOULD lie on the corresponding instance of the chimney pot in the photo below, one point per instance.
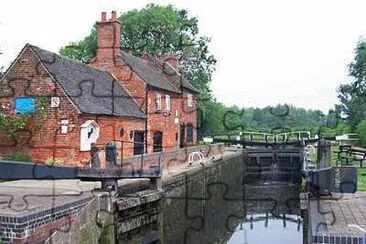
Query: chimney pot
(114, 16)
(104, 16)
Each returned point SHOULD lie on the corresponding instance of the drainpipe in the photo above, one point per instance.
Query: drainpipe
(197, 122)
(147, 89)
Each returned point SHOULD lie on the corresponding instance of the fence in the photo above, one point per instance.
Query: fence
(115, 158)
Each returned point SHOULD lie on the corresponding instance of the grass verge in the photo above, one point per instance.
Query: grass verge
(361, 179)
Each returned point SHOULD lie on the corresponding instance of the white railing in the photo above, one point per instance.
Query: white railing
(263, 136)
(307, 156)
(254, 135)
(298, 134)
(194, 155)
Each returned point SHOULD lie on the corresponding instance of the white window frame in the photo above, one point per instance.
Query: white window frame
(158, 102)
(189, 100)
(167, 102)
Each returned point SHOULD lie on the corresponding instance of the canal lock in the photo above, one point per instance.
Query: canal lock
(218, 203)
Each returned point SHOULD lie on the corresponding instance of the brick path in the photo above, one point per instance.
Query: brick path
(341, 215)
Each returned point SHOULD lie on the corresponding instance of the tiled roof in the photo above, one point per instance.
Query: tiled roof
(92, 90)
(170, 71)
(148, 73)
(156, 76)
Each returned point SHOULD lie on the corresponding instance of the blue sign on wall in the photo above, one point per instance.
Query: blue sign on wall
(25, 105)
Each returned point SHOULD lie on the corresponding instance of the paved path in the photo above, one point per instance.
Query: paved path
(340, 215)
(18, 197)
(24, 200)
(25, 196)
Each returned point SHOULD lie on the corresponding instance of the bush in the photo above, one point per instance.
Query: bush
(361, 132)
(19, 156)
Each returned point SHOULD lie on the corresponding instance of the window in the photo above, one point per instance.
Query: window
(189, 128)
(158, 102)
(189, 100)
(167, 102)
(158, 141)
(24, 105)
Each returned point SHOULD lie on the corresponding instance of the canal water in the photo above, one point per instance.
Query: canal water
(218, 205)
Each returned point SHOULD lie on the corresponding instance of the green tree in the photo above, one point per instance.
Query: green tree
(1, 67)
(157, 30)
(352, 103)
(352, 96)
(212, 119)
(361, 132)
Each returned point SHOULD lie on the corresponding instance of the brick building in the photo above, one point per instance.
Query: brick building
(143, 104)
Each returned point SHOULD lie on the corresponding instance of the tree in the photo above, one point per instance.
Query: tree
(352, 103)
(165, 29)
(361, 132)
(158, 30)
(352, 96)
(1, 67)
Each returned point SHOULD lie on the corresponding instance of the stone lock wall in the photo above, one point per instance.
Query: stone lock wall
(213, 183)
(37, 226)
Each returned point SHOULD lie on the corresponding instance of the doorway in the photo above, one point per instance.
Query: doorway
(138, 145)
(158, 141)
(182, 135)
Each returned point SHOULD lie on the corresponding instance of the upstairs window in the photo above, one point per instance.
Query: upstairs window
(158, 102)
(189, 100)
(167, 102)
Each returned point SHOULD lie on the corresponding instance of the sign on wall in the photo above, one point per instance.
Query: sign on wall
(89, 133)
(24, 105)
(64, 126)
(55, 102)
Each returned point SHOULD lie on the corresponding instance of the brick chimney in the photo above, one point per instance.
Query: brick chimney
(172, 59)
(108, 40)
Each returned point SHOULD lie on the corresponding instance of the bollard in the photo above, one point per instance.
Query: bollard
(111, 154)
(324, 154)
(95, 162)
(110, 185)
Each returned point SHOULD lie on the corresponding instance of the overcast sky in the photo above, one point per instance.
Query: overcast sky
(269, 52)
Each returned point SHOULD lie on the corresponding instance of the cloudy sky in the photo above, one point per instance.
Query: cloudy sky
(269, 52)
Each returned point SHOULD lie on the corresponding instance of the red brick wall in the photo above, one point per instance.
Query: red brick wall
(189, 114)
(43, 139)
(158, 121)
(108, 40)
(110, 130)
(137, 88)
(108, 49)
(43, 136)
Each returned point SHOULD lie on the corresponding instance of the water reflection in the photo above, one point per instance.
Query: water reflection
(215, 207)
(272, 215)
(268, 230)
